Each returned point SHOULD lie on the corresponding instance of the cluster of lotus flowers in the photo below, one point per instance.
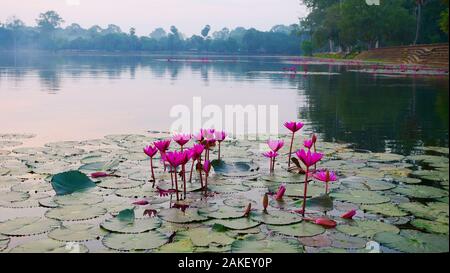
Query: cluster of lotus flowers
(198, 154)
(309, 157)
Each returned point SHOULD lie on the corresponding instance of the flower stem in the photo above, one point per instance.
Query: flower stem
(304, 192)
(290, 150)
(184, 180)
(192, 169)
(270, 166)
(219, 152)
(176, 184)
(153, 172)
(326, 188)
(273, 165)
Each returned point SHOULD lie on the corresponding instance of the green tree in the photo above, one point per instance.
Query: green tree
(49, 21)
(307, 48)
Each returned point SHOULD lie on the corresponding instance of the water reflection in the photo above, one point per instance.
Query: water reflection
(375, 113)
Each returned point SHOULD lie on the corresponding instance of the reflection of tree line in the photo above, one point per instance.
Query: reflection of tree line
(51, 68)
(371, 114)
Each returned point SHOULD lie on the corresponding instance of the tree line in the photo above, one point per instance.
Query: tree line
(49, 34)
(353, 25)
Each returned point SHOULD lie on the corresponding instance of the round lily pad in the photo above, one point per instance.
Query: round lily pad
(421, 191)
(276, 217)
(413, 241)
(266, 246)
(205, 236)
(4, 240)
(13, 196)
(8, 181)
(32, 187)
(224, 212)
(387, 209)
(238, 224)
(430, 226)
(137, 226)
(366, 228)
(137, 241)
(78, 198)
(321, 240)
(119, 183)
(239, 202)
(180, 246)
(29, 203)
(430, 211)
(363, 183)
(178, 216)
(303, 229)
(76, 233)
(360, 197)
(342, 240)
(137, 192)
(75, 213)
(50, 246)
(27, 226)
(48, 203)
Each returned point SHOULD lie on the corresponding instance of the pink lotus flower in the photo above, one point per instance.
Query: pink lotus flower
(220, 136)
(99, 174)
(309, 158)
(141, 203)
(199, 137)
(308, 143)
(280, 193)
(162, 145)
(181, 139)
(293, 126)
(270, 154)
(150, 150)
(349, 214)
(174, 158)
(325, 176)
(275, 145)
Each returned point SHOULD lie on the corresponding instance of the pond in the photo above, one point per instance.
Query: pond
(74, 177)
(75, 97)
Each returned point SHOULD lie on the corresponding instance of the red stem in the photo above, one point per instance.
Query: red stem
(326, 188)
(304, 193)
(290, 150)
(176, 184)
(273, 165)
(184, 181)
(219, 152)
(192, 169)
(153, 173)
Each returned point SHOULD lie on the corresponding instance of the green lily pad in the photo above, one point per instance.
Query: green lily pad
(13, 196)
(100, 166)
(407, 180)
(276, 217)
(266, 246)
(75, 213)
(363, 183)
(387, 209)
(203, 237)
(119, 183)
(29, 203)
(137, 241)
(8, 181)
(321, 240)
(70, 182)
(233, 169)
(126, 216)
(367, 228)
(237, 224)
(76, 233)
(32, 187)
(429, 211)
(320, 203)
(430, 226)
(303, 229)
(78, 198)
(139, 225)
(224, 212)
(421, 191)
(360, 197)
(25, 226)
(431, 175)
(344, 241)
(177, 216)
(412, 241)
(49, 246)
(239, 202)
(179, 246)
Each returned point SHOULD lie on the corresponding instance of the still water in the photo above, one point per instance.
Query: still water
(77, 97)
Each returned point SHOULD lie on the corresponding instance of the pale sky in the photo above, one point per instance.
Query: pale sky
(145, 15)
